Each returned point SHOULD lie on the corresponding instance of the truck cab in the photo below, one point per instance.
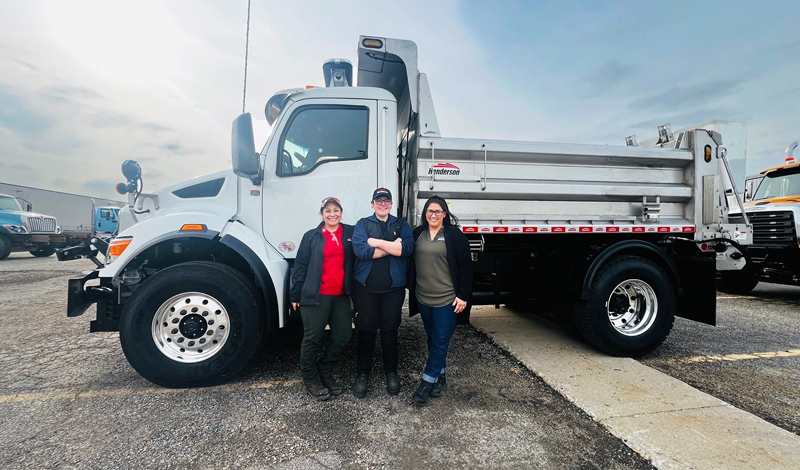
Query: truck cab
(774, 210)
(23, 230)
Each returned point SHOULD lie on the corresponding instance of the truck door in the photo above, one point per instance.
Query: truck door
(323, 147)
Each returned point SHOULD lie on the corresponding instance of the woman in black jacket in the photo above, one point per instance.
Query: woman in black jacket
(321, 281)
(440, 289)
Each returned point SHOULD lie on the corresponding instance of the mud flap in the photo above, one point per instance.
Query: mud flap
(698, 297)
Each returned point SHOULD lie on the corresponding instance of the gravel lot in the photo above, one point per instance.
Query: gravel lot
(768, 320)
(69, 399)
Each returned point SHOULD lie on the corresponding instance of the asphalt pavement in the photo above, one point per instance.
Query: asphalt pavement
(69, 399)
(751, 359)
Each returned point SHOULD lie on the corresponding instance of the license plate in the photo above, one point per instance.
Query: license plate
(40, 238)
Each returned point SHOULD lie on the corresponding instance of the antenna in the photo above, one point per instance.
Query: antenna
(246, 49)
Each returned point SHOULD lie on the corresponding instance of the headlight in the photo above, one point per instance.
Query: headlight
(15, 228)
(116, 248)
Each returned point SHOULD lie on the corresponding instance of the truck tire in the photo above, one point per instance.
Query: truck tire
(630, 309)
(736, 282)
(194, 324)
(43, 252)
(5, 247)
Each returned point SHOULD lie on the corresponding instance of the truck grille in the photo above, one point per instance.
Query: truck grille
(41, 224)
(771, 228)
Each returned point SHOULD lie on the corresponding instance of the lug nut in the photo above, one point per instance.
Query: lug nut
(190, 343)
(180, 340)
(205, 314)
(211, 322)
(194, 309)
(210, 332)
(174, 331)
(175, 320)
(202, 340)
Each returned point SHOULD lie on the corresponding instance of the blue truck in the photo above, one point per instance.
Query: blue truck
(23, 230)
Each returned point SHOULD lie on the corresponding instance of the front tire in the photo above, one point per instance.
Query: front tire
(631, 307)
(194, 324)
(43, 252)
(5, 247)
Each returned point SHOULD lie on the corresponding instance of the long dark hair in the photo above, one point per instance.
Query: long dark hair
(448, 219)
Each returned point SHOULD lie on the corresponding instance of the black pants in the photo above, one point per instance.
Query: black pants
(378, 312)
(333, 310)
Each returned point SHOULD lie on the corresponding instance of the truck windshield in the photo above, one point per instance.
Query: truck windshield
(9, 204)
(779, 184)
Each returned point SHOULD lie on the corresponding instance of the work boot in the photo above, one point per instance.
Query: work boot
(332, 385)
(360, 387)
(420, 397)
(392, 383)
(439, 387)
(318, 391)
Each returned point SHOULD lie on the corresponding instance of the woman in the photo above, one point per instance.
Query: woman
(440, 289)
(321, 281)
(381, 243)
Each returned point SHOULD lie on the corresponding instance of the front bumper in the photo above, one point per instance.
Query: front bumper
(80, 297)
(32, 240)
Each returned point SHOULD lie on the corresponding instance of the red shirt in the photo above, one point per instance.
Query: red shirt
(332, 263)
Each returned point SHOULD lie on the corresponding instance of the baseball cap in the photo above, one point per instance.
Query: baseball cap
(382, 192)
(332, 199)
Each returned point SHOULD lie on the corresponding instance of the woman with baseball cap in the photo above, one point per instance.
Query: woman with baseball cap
(321, 281)
(382, 244)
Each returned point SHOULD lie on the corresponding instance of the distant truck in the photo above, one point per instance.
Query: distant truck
(23, 230)
(773, 207)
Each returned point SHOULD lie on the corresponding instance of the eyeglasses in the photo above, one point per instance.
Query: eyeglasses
(436, 213)
(382, 203)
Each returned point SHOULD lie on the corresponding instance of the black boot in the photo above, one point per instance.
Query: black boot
(423, 392)
(439, 387)
(332, 385)
(318, 391)
(360, 387)
(392, 383)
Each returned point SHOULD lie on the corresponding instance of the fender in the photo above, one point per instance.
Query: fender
(158, 229)
(271, 269)
(633, 247)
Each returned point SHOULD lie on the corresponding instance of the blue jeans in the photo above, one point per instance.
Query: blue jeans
(440, 324)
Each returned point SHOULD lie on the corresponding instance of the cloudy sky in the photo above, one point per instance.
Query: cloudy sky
(86, 84)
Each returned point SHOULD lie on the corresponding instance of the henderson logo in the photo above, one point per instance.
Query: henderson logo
(444, 169)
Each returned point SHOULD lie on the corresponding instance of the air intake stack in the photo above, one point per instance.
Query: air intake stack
(337, 72)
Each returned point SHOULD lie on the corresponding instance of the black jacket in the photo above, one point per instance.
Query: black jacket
(460, 263)
(307, 270)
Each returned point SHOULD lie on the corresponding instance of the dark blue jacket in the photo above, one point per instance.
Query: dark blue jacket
(370, 227)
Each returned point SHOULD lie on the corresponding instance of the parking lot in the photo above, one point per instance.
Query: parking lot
(69, 399)
(751, 359)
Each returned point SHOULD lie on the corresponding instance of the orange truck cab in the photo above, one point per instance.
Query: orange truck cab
(773, 208)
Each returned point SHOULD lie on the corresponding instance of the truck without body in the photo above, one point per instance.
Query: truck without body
(614, 241)
(773, 207)
(23, 230)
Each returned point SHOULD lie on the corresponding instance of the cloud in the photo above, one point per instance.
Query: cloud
(106, 119)
(17, 115)
(100, 187)
(678, 97)
(687, 119)
(175, 148)
(607, 76)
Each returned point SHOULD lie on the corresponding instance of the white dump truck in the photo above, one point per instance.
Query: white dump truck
(614, 240)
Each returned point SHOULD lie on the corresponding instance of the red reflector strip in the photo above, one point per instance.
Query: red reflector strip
(558, 229)
(572, 229)
(688, 229)
(470, 229)
(612, 229)
(585, 229)
(638, 229)
(529, 229)
(663, 229)
(500, 229)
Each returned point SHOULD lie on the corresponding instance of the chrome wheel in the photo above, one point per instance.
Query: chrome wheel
(190, 327)
(632, 307)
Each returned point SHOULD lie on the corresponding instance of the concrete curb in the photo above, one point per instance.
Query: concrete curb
(663, 419)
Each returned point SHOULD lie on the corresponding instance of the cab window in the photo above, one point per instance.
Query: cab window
(321, 134)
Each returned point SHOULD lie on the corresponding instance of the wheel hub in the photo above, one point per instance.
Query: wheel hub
(632, 307)
(190, 327)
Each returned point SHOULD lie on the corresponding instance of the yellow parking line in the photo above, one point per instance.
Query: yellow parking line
(737, 357)
(727, 297)
(28, 397)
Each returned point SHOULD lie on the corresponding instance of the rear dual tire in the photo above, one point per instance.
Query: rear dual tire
(630, 309)
(215, 296)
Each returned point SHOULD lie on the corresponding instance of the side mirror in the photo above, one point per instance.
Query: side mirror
(243, 149)
(28, 207)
